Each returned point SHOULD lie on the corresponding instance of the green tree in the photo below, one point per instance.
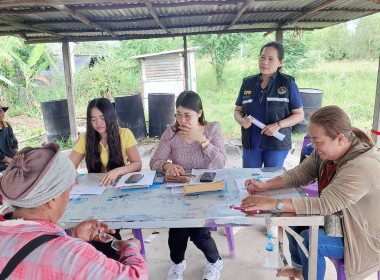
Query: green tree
(366, 37)
(220, 48)
(31, 70)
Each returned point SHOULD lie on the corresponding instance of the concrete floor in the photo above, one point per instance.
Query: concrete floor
(249, 242)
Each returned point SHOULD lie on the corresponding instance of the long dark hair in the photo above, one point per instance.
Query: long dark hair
(190, 100)
(280, 50)
(335, 121)
(115, 157)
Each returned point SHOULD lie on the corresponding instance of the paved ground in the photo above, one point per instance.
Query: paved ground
(250, 241)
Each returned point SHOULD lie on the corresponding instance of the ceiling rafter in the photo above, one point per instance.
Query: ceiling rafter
(11, 3)
(239, 13)
(304, 14)
(34, 10)
(152, 11)
(29, 27)
(83, 19)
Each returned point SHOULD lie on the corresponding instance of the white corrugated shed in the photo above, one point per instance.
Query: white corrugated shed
(164, 72)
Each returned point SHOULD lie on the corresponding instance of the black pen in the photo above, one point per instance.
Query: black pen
(119, 196)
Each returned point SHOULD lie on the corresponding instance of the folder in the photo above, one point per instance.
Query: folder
(205, 187)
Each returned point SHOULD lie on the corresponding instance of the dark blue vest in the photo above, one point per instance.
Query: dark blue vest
(277, 108)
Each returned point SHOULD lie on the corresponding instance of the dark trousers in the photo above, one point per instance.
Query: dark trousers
(200, 236)
(106, 248)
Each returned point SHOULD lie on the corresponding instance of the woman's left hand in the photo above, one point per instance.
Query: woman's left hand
(191, 132)
(258, 202)
(89, 230)
(109, 178)
(271, 129)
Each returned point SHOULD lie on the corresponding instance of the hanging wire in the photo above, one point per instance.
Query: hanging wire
(297, 33)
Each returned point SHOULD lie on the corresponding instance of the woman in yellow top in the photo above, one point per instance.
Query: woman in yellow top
(106, 146)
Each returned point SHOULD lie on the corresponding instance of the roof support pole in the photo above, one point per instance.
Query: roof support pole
(376, 113)
(279, 36)
(68, 62)
(185, 62)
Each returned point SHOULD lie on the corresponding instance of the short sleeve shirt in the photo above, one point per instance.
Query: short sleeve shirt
(259, 110)
(127, 140)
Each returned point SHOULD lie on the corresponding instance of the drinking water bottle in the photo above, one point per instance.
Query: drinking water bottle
(270, 254)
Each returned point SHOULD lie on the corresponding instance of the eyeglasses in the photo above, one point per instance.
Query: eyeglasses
(181, 116)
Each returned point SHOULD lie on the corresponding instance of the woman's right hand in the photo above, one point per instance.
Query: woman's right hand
(246, 122)
(253, 186)
(173, 169)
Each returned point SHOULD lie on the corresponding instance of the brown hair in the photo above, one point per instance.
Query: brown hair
(335, 121)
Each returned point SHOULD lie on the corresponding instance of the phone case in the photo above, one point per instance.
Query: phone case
(178, 179)
(135, 178)
(208, 177)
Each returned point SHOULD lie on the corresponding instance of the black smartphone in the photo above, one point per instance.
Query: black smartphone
(135, 178)
(208, 177)
(159, 178)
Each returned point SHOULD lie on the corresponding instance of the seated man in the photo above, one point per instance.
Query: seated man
(37, 185)
(8, 141)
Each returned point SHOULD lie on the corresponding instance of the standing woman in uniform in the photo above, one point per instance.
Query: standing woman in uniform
(272, 98)
(107, 148)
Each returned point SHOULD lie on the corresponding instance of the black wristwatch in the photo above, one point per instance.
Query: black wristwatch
(280, 205)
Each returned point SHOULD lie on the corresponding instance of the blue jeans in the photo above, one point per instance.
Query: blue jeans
(327, 247)
(270, 158)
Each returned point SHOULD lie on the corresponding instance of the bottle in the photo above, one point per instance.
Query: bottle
(270, 260)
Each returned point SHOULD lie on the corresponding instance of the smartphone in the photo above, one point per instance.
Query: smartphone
(134, 178)
(159, 178)
(208, 177)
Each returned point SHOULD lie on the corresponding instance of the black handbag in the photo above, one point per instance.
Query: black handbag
(23, 253)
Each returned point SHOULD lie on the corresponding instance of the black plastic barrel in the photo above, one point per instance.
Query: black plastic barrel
(130, 111)
(161, 112)
(56, 119)
(312, 100)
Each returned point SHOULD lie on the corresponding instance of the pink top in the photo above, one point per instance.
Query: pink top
(174, 148)
(64, 257)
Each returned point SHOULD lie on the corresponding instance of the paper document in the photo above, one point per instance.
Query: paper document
(258, 123)
(240, 183)
(147, 180)
(88, 185)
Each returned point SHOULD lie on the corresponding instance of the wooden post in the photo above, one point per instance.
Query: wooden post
(69, 78)
(376, 113)
(185, 62)
(279, 36)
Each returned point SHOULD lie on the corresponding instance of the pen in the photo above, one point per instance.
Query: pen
(257, 178)
(79, 176)
(120, 196)
(242, 209)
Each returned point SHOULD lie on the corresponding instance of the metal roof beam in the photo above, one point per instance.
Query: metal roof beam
(304, 14)
(131, 37)
(155, 16)
(239, 13)
(29, 27)
(83, 19)
(12, 3)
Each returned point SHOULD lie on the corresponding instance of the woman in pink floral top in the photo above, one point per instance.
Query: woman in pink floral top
(191, 143)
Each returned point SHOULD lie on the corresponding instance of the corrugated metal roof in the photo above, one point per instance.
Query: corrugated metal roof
(82, 20)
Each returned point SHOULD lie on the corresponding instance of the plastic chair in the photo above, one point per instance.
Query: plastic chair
(230, 241)
(339, 266)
